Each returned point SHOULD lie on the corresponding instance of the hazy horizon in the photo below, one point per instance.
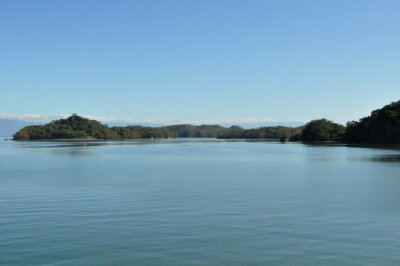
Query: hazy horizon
(10, 124)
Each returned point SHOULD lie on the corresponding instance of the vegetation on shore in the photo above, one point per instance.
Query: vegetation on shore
(320, 130)
(203, 131)
(77, 127)
(260, 133)
(382, 126)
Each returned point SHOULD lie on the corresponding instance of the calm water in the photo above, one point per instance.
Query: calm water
(198, 202)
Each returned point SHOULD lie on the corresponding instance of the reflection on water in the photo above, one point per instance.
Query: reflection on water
(77, 148)
(387, 158)
(85, 144)
(67, 143)
(342, 144)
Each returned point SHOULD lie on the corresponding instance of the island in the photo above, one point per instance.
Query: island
(382, 126)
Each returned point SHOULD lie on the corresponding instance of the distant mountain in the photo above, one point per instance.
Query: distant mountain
(243, 125)
(264, 124)
(124, 124)
(9, 126)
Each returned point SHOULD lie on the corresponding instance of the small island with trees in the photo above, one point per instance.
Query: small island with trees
(382, 126)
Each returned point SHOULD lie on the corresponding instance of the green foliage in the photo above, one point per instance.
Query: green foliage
(203, 131)
(260, 133)
(236, 128)
(322, 130)
(139, 132)
(382, 126)
(296, 137)
(32, 132)
(77, 127)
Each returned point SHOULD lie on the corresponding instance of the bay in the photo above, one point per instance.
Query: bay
(198, 202)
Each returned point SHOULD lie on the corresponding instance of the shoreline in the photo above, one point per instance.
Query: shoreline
(216, 138)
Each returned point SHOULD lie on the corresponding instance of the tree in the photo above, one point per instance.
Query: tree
(382, 126)
(322, 130)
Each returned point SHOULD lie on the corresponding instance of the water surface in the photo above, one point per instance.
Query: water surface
(198, 202)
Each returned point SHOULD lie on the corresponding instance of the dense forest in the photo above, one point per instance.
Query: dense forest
(203, 131)
(320, 130)
(382, 126)
(260, 133)
(77, 127)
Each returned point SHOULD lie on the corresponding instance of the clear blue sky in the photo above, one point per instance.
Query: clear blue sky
(199, 60)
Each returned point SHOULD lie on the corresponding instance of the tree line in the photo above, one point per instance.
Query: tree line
(77, 127)
(382, 126)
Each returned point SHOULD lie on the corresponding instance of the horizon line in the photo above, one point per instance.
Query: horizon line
(45, 118)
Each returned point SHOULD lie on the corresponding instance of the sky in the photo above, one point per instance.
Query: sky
(199, 61)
